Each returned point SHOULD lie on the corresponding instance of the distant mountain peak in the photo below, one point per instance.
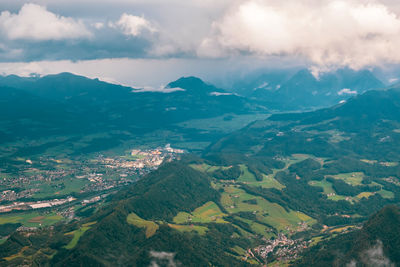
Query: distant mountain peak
(193, 84)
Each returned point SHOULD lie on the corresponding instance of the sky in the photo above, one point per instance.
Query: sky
(152, 42)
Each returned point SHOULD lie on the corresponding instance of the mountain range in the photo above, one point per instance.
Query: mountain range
(320, 187)
(299, 90)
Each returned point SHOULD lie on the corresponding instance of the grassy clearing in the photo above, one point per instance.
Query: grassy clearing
(268, 182)
(385, 193)
(201, 230)
(150, 226)
(77, 235)
(206, 168)
(365, 195)
(182, 217)
(258, 228)
(238, 250)
(369, 161)
(31, 219)
(326, 186)
(329, 191)
(233, 199)
(233, 196)
(316, 240)
(279, 218)
(207, 213)
(295, 158)
(352, 178)
(246, 176)
(341, 229)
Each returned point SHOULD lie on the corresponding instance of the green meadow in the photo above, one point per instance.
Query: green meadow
(150, 226)
(31, 219)
(77, 234)
(207, 213)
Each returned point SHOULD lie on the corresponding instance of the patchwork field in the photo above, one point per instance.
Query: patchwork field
(268, 182)
(236, 200)
(66, 187)
(207, 213)
(31, 219)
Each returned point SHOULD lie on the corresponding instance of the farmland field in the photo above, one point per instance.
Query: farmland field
(31, 219)
(236, 200)
(207, 213)
(268, 182)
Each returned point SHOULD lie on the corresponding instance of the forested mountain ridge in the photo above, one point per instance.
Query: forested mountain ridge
(375, 244)
(291, 182)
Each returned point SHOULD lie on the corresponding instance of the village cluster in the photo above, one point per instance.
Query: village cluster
(97, 174)
(280, 248)
(35, 205)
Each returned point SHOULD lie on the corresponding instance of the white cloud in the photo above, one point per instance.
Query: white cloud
(98, 25)
(161, 89)
(166, 258)
(219, 94)
(328, 33)
(373, 256)
(347, 91)
(133, 25)
(35, 22)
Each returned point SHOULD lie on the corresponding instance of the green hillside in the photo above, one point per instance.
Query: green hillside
(376, 243)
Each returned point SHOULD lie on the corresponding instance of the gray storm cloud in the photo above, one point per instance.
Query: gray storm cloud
(320, 34)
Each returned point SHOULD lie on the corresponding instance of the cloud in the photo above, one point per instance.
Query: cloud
(133, 25)
(373, 257)
(162, 259)
(320, 34)
(219, 94)
(161, 89)
(326, 33)
(34, 22)
(347, 91)
(98, 25)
